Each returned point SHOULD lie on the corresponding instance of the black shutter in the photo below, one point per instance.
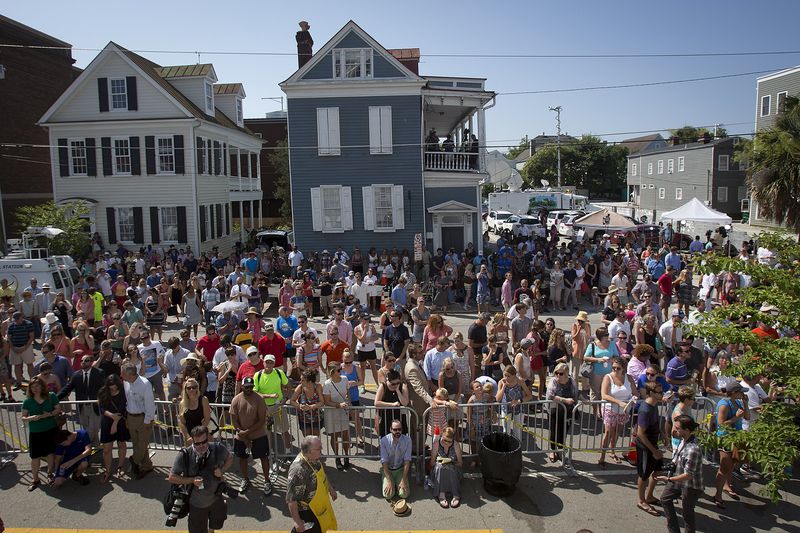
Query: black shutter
(136, 157)
(213, 218)
(217, 158)
(225, 159)
(227, 219)
(63, 157)
(111, 218)
(202, 223)
(138, 225)
(150, 154)
(177, 144)
(200, 148)
(105, 148)
(102, 93)
(209, 156)
(182, 230)
(133, 104)
(91, 157)
(219, 220)
(154, 225)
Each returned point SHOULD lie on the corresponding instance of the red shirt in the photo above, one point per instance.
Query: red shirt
(208, 346)
(247, 370)
(333, 353)
(665, 284)
(766, 333)
(276, 347)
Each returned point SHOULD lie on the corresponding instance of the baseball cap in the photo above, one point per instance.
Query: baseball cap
(269, 357)
(248, 382)
(269, 325)
(677, 312)
(252, 350)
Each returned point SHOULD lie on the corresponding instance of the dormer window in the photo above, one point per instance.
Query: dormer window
(119, 94)
(239, 114)
(352, 63)
(209, 99)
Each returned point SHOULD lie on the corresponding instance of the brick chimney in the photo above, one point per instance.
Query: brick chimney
(409, 57)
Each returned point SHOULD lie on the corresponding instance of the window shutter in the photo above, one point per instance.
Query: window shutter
(150, 154)
(333, 130)
(398, 209)
(136, 158)
(219, 221)
(217, 158)
(91, 157)
(386, 129)
(347, 209)
(200, 147)
(368, 201)
(111, 220)
(105, 149)
(225, 159)
(63, 157)
(209, 157)
(138, 225)
(212, 213)
(316, 209)
(102, 94)
(155, 227)
(322, 131)
(227, 219)
(130, 83)
(180, 162)
(243, 158)
(182, 229)
(374, 130)
(202, 223)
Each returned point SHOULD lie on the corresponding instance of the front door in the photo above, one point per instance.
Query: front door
(452, 237)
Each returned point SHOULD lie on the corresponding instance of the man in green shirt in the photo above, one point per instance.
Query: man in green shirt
(98, 299)
(273, 385)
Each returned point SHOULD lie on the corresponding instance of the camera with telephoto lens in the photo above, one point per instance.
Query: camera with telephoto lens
(179, 507)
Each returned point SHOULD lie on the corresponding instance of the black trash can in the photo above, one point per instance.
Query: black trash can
(501, 463)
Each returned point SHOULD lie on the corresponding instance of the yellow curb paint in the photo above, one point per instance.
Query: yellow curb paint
(72, 530)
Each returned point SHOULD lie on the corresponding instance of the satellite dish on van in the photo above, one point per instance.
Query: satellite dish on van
(545, 183)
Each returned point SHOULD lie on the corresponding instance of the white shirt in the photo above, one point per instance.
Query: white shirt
(295, 258)
(138, 266)
(616, 326)
(220, 357)
(755, 397)
(240, 293)
(666, 333)
(139, 396)
(173, 361)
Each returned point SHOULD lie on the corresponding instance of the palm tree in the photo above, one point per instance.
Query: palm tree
(774, 174)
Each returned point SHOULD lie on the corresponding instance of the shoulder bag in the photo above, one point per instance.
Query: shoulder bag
(587, 369)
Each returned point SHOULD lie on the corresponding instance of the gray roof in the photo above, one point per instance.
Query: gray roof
(689, 146)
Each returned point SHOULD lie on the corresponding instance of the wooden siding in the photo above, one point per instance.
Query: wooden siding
(193, 89)
(381, 67)
(84, 103)
(466, 195)
(355, 167)
(789, 82)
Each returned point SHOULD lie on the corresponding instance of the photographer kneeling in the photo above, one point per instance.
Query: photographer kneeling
(200, 468)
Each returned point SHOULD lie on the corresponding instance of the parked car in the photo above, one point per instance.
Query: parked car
(650, 234)
(268, 238)
(565, 226)
(515, 223)
(555, 217)
(495, 219)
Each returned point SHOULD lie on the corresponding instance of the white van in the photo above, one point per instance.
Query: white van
(59, 271)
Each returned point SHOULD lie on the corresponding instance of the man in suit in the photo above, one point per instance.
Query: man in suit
(418, 393)
(86, 382)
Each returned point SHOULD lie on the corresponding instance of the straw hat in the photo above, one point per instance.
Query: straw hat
(582, 315)
(612, 289)
(400, 508)
(253, 311)
(191, 357)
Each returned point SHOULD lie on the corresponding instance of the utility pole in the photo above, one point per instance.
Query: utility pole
(557, 109)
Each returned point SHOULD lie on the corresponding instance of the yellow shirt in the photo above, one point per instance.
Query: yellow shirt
(98, 300)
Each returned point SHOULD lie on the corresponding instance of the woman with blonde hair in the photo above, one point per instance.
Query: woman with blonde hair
(469, 280)
(561, 390)
(556, 349)
(581, 335)
(446, 464)
(193, 410)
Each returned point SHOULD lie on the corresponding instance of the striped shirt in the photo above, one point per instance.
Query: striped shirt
(20, 333)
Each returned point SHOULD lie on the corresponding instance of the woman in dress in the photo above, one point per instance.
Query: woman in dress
(556, 349)
(618, 391)
(731, 411)
(647, 333)
(39, 411)
(62, 309)
(562, 390)
(500, 329)
(337, 422)
(350, 373)
(176, 296)
(581, 335)
(308, 401)
(450, 379)
(556, 286)
(192, 314)
(463, 360)
(390, 394)
(164, 297)
(113, 428)
(592, 273)
(154, 313)
(373, 289)
(193, 411)
(81, 343)
(468, 280)
(606, 269)
(446, 469)
(226, 376)
(483, 293)
(537, 353)
(511, 392)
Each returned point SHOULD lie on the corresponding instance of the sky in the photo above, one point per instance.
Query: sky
(475, 28)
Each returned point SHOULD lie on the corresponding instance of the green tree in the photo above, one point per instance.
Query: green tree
(772, 440)
(774, 173)
(690, 134)
(279, 159)
(514, 151)
(75, 240)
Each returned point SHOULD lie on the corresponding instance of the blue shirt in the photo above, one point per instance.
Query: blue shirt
(20, 333)
(77, 447)
(673, 260)
(399, 295)
(352, 376)
(601, 369)
(432, 365)
(659, 379)
(61, 368)
(153, 280)
(503, 266)
(251, 266)
(286, 327)
(696, 246)
(677, 369)
(656, 268)
(395, 455)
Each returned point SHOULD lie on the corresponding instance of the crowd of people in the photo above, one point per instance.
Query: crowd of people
(386, 314)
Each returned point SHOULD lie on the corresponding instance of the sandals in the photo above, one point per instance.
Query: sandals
(443, 503)
(106, 477)
(616, 459)
(647, 508)
(34, 485)
(455, 502)
(553, 458)
(732, 494)
(718, 502)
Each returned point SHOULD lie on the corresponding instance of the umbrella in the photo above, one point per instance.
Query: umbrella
(231, 306)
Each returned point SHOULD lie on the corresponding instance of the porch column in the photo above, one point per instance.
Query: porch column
(481, 140)
(261, 213)
(252, 214)
(250, 169)
(241, 220)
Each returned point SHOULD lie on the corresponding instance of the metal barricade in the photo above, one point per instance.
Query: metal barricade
(14, 436)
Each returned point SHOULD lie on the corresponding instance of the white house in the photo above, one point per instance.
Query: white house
(158, 154)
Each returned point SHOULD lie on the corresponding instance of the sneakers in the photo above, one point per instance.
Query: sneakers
(245, 486)
(267, 487)
(362, 389)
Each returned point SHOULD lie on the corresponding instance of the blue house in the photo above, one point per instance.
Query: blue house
(362, 172)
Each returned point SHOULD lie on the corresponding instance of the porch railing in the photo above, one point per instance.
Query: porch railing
(452, 161)
(244, 184)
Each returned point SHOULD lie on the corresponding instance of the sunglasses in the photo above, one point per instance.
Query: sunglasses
(192, 387)
(559, 373)
(615, 368)
(397, 430)
(650, 374)
(203, 443)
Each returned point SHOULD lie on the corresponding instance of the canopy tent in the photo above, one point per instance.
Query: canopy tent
(596, 219)
(696, 211)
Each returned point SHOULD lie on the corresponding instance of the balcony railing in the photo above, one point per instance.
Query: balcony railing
(242, 184)
(452, 161)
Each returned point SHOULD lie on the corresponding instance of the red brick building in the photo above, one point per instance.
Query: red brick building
(272, 129)
(30, 81)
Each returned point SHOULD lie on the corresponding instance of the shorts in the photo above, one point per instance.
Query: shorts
(259, 448)
(280, 422)
(362, 356)
(25, 356)
(646, 463)
(666, 300)
(482, 298)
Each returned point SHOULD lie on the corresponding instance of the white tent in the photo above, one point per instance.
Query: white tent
(696, 211)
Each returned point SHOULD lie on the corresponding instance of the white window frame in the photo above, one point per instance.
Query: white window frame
(634, 169)
(325, 227)
(328, 132)
(390, 208)
(722, 194)
(239, 112)
(660, 166)
(380, 129)
(785, 95)
(111, 94)
(651, 186)
(209, 98)
(670, 166)
(681, 163)
(72, 157)
(724, 163)
(118, 218)
(162, 221)
(650, 169)
(114, 168)
(662, 193)
(768, 99)
(208, 221)
(741, 193)
(678, 193)
(171, 155)
(366, 61)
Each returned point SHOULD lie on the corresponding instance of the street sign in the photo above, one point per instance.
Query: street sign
(418, 247)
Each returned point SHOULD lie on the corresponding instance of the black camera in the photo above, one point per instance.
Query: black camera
(180, 507)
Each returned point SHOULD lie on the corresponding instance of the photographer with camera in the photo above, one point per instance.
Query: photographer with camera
(199, 469)
(684, 476)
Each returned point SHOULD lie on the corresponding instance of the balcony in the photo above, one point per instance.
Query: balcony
(243, 184)
(452, 161)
